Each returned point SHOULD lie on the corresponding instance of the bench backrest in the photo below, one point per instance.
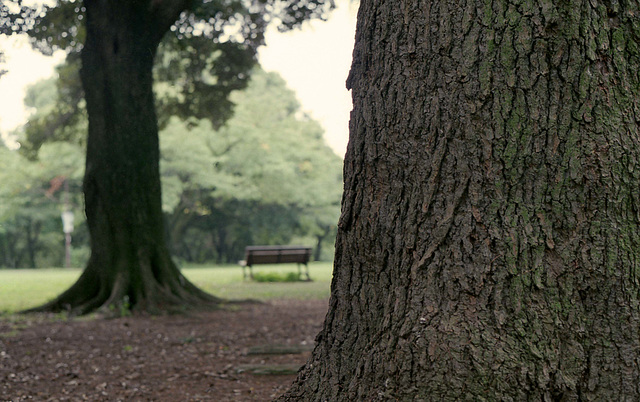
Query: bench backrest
(277, 254)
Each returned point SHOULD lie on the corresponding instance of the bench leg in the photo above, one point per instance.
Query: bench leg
(306, 266)
(244, 271)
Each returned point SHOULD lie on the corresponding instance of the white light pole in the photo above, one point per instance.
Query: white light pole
(67, 228)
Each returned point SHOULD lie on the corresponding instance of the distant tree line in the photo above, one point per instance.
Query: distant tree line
(264, 177)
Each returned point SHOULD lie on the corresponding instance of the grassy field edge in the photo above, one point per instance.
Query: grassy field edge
(25, 288)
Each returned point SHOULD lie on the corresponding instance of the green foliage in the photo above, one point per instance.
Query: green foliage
(60, 25)
(275, 277)
(194, 77)
(215, 205)
(60, 114)
(32, 197)
(208, 53)
(265, 177)
(268, 151)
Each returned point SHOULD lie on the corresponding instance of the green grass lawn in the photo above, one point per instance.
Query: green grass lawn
(24, 288)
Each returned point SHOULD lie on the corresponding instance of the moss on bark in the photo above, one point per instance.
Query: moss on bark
(488, 245)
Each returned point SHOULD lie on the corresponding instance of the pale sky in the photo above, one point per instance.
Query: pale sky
(315, 63)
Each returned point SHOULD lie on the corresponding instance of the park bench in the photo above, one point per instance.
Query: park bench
(255, 255)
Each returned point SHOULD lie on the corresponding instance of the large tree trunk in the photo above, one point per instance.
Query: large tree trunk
(130, 262)
(489, 243)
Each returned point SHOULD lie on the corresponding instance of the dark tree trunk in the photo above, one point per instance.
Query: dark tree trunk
(321, 238)
(130, 262)
(9, 252)
(220, 241)
(176, 229)
(318, 250)
(32, 233)
(489, 243)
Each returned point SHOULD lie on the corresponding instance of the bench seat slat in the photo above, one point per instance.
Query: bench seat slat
(255, 255)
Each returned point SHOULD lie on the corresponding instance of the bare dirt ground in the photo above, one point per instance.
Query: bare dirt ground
(196, 357)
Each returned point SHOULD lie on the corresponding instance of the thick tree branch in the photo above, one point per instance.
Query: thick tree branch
(165, 12)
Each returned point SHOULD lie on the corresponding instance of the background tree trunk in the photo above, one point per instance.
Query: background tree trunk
(326, 230)
(489, 243)
(32, 232)
(9, 251)
(130, 262)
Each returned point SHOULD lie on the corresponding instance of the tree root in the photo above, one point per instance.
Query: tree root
(143, 288)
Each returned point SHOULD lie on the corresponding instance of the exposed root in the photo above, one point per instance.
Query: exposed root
(78, 299)
(155, 291)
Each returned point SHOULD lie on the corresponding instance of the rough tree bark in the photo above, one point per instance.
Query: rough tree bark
(130, 262)
(489, 243)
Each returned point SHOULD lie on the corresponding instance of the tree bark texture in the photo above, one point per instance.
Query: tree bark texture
(130, 262)
(489, 243)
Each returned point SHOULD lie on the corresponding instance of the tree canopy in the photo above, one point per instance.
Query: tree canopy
(268, 157)
(207, 52)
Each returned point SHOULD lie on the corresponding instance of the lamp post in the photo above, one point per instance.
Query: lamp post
(67, 225)
(67, 228)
